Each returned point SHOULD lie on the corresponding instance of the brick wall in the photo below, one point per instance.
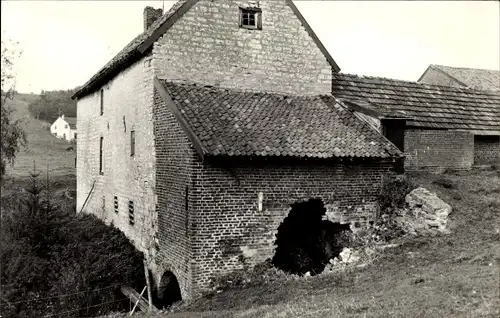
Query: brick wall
(435, 77)
(229, 230)
(127, 106)
(176, 163)
(207, 45)
(486, 150)
(438, 149)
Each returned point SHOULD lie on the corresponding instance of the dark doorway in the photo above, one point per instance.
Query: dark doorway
(168, 291)
(305, 242)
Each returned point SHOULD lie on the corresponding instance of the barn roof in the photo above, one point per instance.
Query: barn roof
(229, 122)
(470, 77)
(427, 106)
(141, 44)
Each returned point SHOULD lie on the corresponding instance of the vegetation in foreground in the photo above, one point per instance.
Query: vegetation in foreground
(56, 263)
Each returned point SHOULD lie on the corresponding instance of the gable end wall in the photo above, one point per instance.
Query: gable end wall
(436, 77)
(206, 45)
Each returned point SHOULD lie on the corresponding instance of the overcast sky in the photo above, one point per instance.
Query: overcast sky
(65, 42)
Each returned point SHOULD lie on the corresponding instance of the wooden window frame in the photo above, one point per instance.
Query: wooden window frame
(101, 146)
(132, 143)
(258, 18)
(101, 98)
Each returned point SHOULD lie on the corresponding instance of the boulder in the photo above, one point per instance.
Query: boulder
(428, 210)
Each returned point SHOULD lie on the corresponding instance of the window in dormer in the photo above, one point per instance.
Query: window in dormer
(251, 18)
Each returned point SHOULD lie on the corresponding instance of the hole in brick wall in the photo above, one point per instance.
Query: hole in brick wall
(168, 291)
(305, 242)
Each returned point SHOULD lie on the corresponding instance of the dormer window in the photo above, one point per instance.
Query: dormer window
(251, 18)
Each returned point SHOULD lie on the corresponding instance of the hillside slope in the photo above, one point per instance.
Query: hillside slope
(42, 148)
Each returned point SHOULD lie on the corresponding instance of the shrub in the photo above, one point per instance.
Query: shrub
(393, 194)
(46, 253)
(392, 201)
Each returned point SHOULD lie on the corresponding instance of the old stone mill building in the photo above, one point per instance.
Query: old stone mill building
(203, 133)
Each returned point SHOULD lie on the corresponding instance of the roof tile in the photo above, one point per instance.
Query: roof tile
(234, 122)
(430, 106)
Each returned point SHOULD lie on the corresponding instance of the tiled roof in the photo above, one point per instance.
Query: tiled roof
(430, 106)
(473, 77)
(71, 122)
(129, 52)
(241, 123)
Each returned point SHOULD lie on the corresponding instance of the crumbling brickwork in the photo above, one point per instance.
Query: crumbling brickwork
(127, 106)
(231, 232)
(207, 46)
(438, 149)
(487, 150)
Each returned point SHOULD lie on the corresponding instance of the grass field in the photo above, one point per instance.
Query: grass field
(42, 148)
(454, 275)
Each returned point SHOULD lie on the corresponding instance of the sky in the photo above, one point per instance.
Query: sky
(64, 43)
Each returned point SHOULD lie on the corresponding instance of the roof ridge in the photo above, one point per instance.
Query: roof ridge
(425, 85)
(465, 68)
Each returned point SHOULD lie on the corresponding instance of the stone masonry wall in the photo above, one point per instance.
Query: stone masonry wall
(127, 106)
(435, 77)
(486, 150)
(438, 149)
(230, 230)
(176, 161)
(206, 45)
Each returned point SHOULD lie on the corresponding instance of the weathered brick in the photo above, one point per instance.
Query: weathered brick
(438, 149)
(486, 150)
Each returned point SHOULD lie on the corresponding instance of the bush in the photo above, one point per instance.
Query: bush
(392, 203)
(46, 253)
(393, 194)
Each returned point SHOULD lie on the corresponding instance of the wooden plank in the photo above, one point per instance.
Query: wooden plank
(134, 296)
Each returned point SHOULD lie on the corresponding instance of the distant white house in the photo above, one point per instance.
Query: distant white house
(64, 128)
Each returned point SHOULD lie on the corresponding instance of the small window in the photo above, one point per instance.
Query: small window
(102, 101)
(64, 135)
(75, 135)
(251, 18)
(116, 203)
(55, 127)
(132, 143)
(131, 220)
(66, 126)
(100, 155)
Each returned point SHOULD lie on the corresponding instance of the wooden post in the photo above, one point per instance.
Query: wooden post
(150, 300)
(138, 300)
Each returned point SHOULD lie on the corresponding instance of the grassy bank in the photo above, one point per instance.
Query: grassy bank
(454, 275)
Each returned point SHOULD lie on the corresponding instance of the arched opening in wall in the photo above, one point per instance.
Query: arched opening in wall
(305, 242)
(168, 291)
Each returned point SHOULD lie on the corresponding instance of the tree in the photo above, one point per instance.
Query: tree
(12, 135)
